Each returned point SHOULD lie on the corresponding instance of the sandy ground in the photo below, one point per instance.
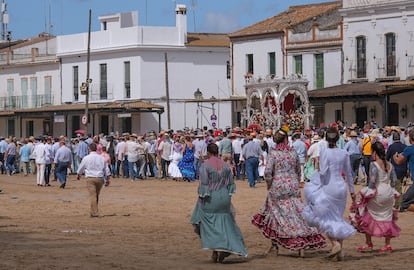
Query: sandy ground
(145, 225)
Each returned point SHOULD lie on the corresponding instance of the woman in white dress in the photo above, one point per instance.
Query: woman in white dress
(326, 194)
(176, 156)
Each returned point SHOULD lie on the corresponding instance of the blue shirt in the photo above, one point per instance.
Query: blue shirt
(11, 149)
(352, 147)
(63, 154)
(25, 153)
(300, 148)
(408, 153)
(252, 149)
(82, 149)
(3, 146)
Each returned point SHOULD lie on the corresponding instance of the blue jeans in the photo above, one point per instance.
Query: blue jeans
(164, 167)
(61, 171)
(48, 169)
(125, 167)
(132, 171)
(10, 163)
(197, 164)
(252, 166)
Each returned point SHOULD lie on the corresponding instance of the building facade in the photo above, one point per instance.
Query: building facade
(304, 41)
(163, 66)
(29, 79)
(379, 48)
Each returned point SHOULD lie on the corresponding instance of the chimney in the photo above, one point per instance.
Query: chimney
(181, 23)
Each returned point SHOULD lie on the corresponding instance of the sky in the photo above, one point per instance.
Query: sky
(28, 18)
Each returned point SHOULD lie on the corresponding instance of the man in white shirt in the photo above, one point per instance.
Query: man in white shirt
(237, 149)
(95, 169)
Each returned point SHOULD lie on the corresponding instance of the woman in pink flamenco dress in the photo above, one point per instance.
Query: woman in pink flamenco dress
(374, 214)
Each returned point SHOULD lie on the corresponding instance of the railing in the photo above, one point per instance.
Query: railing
(24, 58)
(96, 94)
(25, 102)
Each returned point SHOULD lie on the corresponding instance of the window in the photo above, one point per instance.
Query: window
(127, 79)
(319, 76)
(103, 93)
(75, 71)
(249, 63)
(23, 82)
(33, 88)
(272, 63)
(338, 115)
(48, 90)
(75, 123)
(390, 54)
(10, 127)
(361, 57)
(29, 128)
(298, 64)
(10, 93)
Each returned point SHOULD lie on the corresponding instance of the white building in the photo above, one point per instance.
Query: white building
(163, 66)
(305, 40)
(29, 80)
(378, 53)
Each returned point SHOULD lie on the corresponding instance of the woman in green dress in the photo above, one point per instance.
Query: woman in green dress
(213, 216)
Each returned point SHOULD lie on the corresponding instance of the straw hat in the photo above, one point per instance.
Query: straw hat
(133, 135)
(375, 133)
(353, 134)
(316, 138)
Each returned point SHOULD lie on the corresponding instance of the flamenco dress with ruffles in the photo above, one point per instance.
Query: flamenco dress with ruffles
(213, 217)
(186, 164)
(374, 214)
(326, 194)
(280, 218)
(173, 170)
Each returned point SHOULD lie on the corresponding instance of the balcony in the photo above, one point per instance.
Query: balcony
(10, 58)
(25, 102)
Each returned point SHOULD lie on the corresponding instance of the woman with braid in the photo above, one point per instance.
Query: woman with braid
(375, 214)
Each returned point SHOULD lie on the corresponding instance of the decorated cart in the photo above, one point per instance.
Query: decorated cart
(273, 102)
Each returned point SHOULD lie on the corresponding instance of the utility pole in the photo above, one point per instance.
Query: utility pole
(84, 89)
(167, 91)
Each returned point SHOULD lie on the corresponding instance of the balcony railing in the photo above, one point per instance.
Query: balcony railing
(24, 58)
(25, 102)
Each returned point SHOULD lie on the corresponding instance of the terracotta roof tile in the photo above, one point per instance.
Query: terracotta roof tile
(208, 40)
(289, 18)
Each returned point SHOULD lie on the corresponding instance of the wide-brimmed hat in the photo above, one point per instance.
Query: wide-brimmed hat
(133, 135)
(316, 138)
(375, 133)
(353, 134)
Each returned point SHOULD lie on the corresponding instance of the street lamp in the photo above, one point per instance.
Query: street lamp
(198, 95)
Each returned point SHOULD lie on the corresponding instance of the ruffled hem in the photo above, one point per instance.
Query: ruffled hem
(366, 224)
(314, 241)
(362, 220)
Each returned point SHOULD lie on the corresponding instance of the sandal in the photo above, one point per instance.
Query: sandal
(386, 249)
(367, 248)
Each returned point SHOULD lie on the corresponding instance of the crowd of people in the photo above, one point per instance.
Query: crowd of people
(379, 159)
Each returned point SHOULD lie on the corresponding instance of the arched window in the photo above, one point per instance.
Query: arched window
(361, 56)
(390, 54)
